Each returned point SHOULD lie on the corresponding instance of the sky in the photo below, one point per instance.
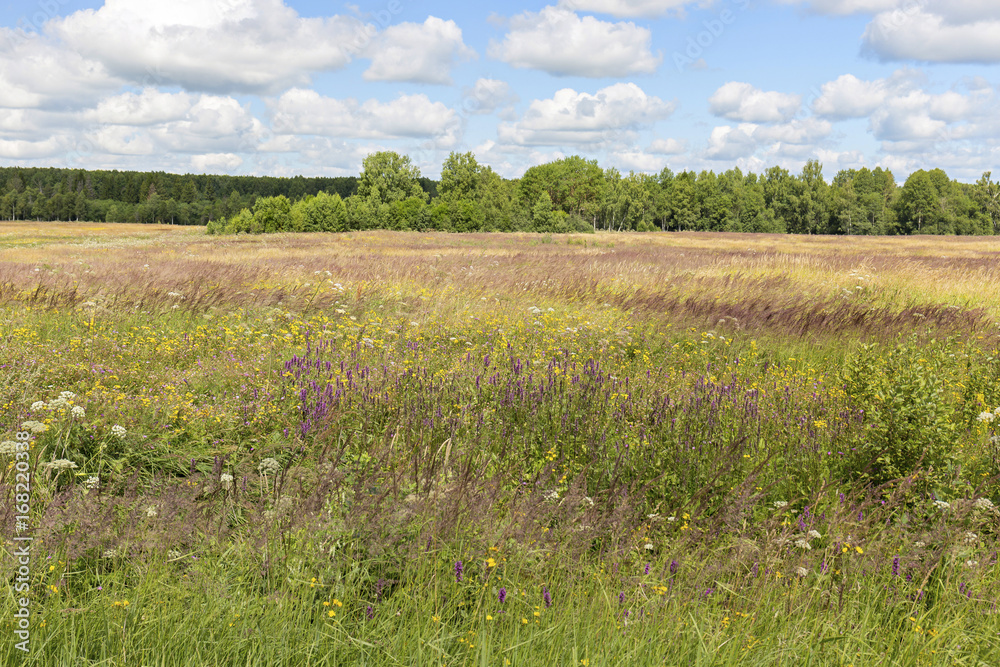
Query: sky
(310, 87)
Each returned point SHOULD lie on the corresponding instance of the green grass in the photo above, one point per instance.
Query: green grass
(552, 418)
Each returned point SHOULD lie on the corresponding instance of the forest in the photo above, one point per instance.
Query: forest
(573, 194)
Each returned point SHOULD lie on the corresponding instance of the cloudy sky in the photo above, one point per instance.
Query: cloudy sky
(285, 87)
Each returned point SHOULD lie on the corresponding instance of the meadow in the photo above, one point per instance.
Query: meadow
(388, 448)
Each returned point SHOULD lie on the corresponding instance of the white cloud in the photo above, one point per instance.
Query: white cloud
(730, 143)
(304, 112)
(638, 161)
(488, 96)
(667, 147)
(850, 97)
(559, 42)
(844, 7)
(743, 102)
(150, 107)
(120, 140)
(927, 37)
(804, 131)
(36, 73)
(630, 8)
(222, 46)
(216, 162)
(19, 149)
(418, 52)
(572, 118)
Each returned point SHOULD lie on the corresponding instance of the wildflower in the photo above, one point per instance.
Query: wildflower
(621, 597)
(111, 553)
(649, 546)
(671, 519)
(941, 505)
(984, 504)
(92, 482)
(813, 535)
(67, 395)
(502, 595)
(673, 566)
(587, 501)
(801, 571)
(151, 512)
(490, 562)
(970, 537)
(546, 597)
(8, 447)
(551, 495)
(370, 612)
(269, 466)
(118, 431)
(803, 543)
(173, 554)
(226, 480)
(332, 613)
(458, 570)
(58, 402)
(919, 545)
(646, 571)
(780, 504)
(986, 417)
(38, 405)
(971, 563)
(895, 566)
(35, 426)
(60, 464)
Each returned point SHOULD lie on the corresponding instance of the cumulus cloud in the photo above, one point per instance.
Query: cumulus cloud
(638, 161)
(925, 36)
(624, 8)
(304, 112)
(730, 143)
(844, 7)
(216, 162)
(667, 147)
(850, 97)
(231, 46)
(418, 52)
(743, 102)
(573, 118)
(804, 132)
(557, 41)
(488, 96)
(150, 107)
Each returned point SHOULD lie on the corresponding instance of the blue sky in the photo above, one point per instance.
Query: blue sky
(308, 87)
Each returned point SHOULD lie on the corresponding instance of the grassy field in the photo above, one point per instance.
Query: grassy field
(429, 449)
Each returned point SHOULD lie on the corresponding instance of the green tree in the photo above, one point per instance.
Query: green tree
(388, 177)
(918, 205)
(986, 194)
(272, 214)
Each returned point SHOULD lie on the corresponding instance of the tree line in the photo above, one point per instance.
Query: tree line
(568, 195)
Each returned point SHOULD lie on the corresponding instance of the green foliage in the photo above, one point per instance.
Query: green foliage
(909, 409)
(388, 177)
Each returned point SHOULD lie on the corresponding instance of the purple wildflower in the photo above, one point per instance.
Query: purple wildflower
(673, 566)
(547, 597)
(621, 598)
(895, 566)
(502, 595)
(458, 570)
(646, 571)
(370, 612)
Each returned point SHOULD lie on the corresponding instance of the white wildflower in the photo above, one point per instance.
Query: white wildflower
(801, 571)
(803, 543)
(996, 411)
(671, 519)
(813, 535)
(8, 447)
(111, 553)
(986, 417)
(68, 395)
(587, 501)
(58, 402)
(919, 545)
(971, 563)
(551, 495)
(173, 554)
(151, 512)
(175, 295)
(649, 546)
(78, 411)
(60, 464)
(942, 505)
(226, 480)
(780, 504)
(653, 517)
(118, 431)
(92, 482)
(970, 537)
(35, 426)
(269, 466)
(984, 504)
(39, 405)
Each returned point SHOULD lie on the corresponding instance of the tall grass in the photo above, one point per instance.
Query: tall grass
(429, 449)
